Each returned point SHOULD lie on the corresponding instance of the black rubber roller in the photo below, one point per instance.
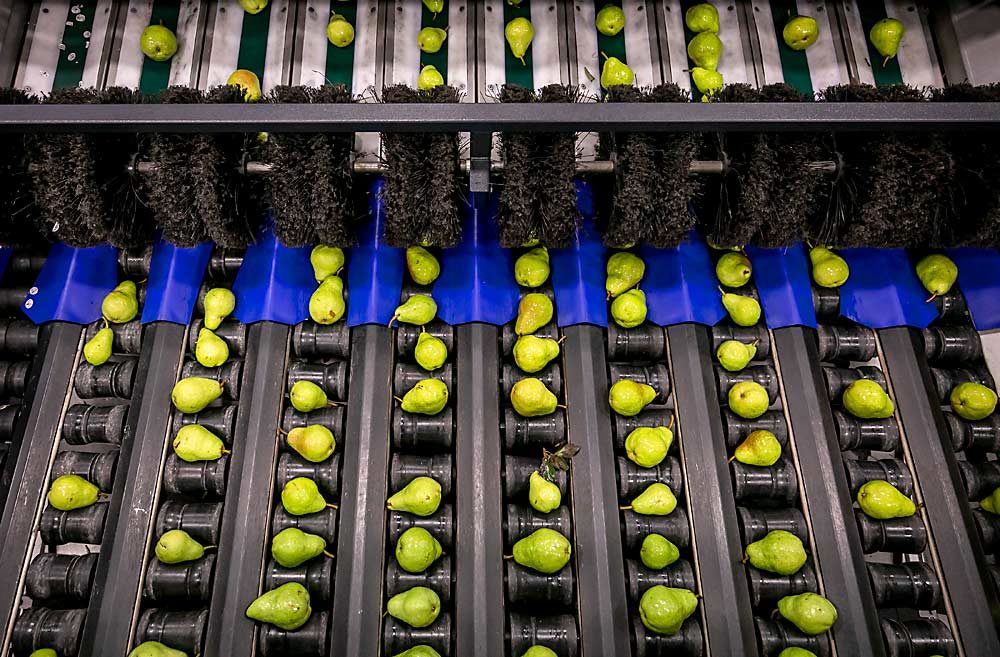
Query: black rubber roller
(316, 575)
(952, 344)
(8, 419)
(738, 428)
(550, 375)
(526, 586)
(440, 523)
(63, 577)
(232, 332)
(407, 336)
(96, 467)
(649, 417)
(406, 375)
(126, 338)
(899, 535)
(755, 524)
(826, 301)
(762, 374)
(199, 519)
(946, 379)
(412, 431)
(200, 480)
(989, 530)
(517, 473)
(84, 424)
(14, 377)
(687, 642)
(312, 340)
(843, 344)
(11, 298)
(922, 637)
(557, 632)
(331, 417)
(29, 264)
(310, 640)
(135, 263)
(524, 520)
(642, 343)
(656, 375)
(679, 575)
(859, 472)
(983, 435)
(220, 420)
(767, 588)
(331, 377)
(18, 337)
(838, 378)
(224, 264)
(776, 483)
(39, 627)
(112, 379)
(911, 585)
(437, 577)
(745, 334)
(876, 434)
(507, 336)
(78, 526)
(323, 523)
(398, 636)
(532, 434)
(980, 478)
(675, 528)
(403, 468)
(228, 374)
(326, 474)
(181, 630)
(775, 635)
(633, 479)
(191, 580)
(952, 307)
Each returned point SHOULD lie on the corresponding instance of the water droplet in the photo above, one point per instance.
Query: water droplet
(75, 9)
(80, 18)
(86, 35)
(71, 57)
(33, 290)
(62, 46)
(29, 303)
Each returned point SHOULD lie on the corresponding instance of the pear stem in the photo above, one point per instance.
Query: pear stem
(209, 547)
(329, 554)
(282, 432)
(399, 399)
(604, 54)
(933, 296)
(226, 451)
(508, 556)
(670, 425)
(886, 60)
(332, 506)
(730, 459)
(625, 508)
(562, 406)
(392, 320)
(561, 340)
(522, 61)
(335, 404)
(744, 559)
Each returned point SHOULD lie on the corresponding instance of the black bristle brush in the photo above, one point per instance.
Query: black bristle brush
(516, 216)
(675, 187)
(17, 208)
(309, 185)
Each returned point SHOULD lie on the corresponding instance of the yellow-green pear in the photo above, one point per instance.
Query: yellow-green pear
(778, 552)
(253, 6)
(531, 398)
(121, 304)
(625, 270)
(417, 607)
(219, 303)
(194, 393)
(532, 268)
(616, 73)
(158, 43)
(177, 546)
(937, 273)
(744, 311)
(867, 400)
(248, 81)
(663, 609)
(532, 353)
(301, 496)
(194, 442)
(434, 6)
(292, 547)
(610, 20)
(210, 350)
(533, 312)
(430, 39)
(144, 649)
(429, 78)
(416, 550)
(418, 309)
(657, 552)
(326, 305)
(991, 503)
(760, 448)
(543, 495)
(629, 398)
(708, 82)
(734, 355)
(648, 446)
(287, 607)
(69, 492)
(628, 309)
(339, 31)
(748, 399)
(702, 17)
(656, 500)
(800, 32)
(314, 443)
(430, 352)
(705, 50)
(97, 351)
(427, 397)
(326, 261)
(828, 269)
(544, 550)
(733, 269)
(536, 651)
(421, 497)
(881, 500)
(519, 33)
(972, 401)
(886, 35)
(811, 613)
(422, 265)
(306, 396)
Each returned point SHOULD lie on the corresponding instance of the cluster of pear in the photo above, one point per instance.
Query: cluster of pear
(705, 48)
(430, 40)
(624, 273)
(327, 305)
(610, 20)
(530, 397)
(733, 269)
(416, 550)
(121, 305)
(419, 309)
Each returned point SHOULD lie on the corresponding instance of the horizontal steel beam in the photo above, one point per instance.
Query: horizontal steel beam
(497, 117)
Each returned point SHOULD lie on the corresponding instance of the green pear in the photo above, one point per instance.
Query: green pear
(427, 397)
(314, 443)
(733, 269)
(419, 309)
(533, 312)
(972, 401)
(648, 446)
(886, 35)
(734, 355)
(247, 81)
(811, 613)
(429, 78)
(306, 396)
(158, 43)
(828, 268)
(544, 550)
(867, 400)
(210, 350)
(194, 393)
(70, 492)
(419, 651)
(253, 6)
(194, 442)
(703, 17)
(421, 497)
(430, 352)
(46, 652)
(819, 253)
(430, 39)
(705, 50)
(177, 546)
(149, 649)
(610, 20)
(748, 399)
(744, 311)
(991, 503)
(416, 550)
(121, 304)
(532, 268)
(97, 351)
(423, 267)
(663, 609)
(417, 607)
(293, 547)
(778, 552)
(530, 398)
(881, 500)
(629, 398)
(657, 552)
(301, 496)
(519, 33)
(759, 448)
(937, 273)
(800, 32)
(532, 354)
(625, 270)
(616, 73)
(707, 81)
(629, 308)
(539, 651)
(326, 261)
(656, 500)
(434, 6)
(802, 652)
(326, 305)
(339, 31)
(219, 303)
(543, 495)
(287, 607)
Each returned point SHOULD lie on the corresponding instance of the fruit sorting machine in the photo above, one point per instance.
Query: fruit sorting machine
(571, 190)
